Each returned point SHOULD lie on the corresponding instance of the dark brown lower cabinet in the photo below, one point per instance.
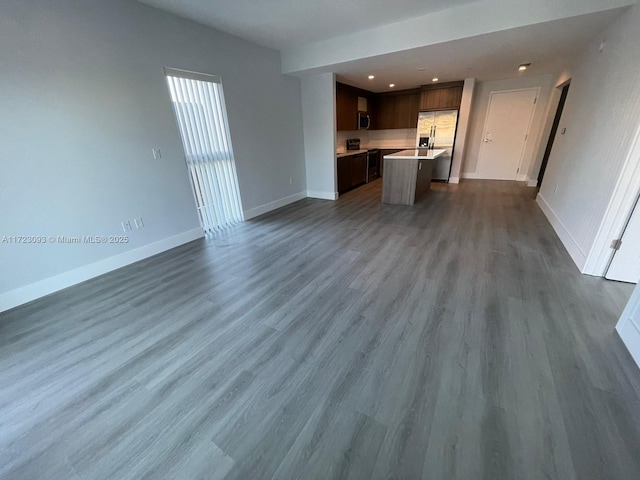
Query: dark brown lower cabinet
(352, 171)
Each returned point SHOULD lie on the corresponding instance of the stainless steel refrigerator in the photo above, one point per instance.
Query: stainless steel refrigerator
(443, 124)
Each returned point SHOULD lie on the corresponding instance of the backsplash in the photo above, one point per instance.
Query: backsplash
(396, 138)
(341, 139)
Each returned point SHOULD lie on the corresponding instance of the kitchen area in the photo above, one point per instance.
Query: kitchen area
(417, 125)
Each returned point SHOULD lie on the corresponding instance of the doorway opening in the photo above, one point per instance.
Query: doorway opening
(201, 115)
(552, 134)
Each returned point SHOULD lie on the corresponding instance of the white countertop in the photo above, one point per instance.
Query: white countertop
(351, 152)
(416, 154)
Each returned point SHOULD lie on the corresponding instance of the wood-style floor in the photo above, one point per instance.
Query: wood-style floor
(454, 339)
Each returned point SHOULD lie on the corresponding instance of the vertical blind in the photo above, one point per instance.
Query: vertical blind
(198, 103)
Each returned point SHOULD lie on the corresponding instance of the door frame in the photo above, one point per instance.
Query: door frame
(564, 93)
(519, 175)
(618, 212)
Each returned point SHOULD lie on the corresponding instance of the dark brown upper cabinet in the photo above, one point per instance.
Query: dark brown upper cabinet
(347, 105)
(444, 96)
(346, 109)
(397, 109)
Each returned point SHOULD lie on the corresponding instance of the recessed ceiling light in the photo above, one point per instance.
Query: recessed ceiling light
(434, 79)
(371, 77)
(523, 66)
(392, 85)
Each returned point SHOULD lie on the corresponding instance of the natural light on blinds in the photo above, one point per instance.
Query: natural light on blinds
(198, 103)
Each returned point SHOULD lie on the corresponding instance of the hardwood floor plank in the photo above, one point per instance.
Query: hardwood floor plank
(453, 339)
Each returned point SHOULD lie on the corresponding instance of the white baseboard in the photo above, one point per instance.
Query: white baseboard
(267, 207)
(61, 281)
(519, 178)
(454, 179)
(575, 252)
(322, 195)
(532, 183)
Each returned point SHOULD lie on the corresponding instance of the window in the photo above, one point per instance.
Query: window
(198, 103)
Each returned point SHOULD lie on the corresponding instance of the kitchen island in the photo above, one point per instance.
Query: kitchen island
(407, 175)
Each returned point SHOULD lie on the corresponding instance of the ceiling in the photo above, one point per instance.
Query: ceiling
(547, 46)
(289, 24)
(283, 24)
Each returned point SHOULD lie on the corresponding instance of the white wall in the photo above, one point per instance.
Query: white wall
(601, 114)
(462, 129)
(479, 111)
(84, 99)
(319, 113)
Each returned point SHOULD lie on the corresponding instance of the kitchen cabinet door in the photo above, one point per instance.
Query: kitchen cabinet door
(406, 111)
(450, 98)
(346, 109)
(430, 99)
(358, 169)
(385, 112)
(397, 111)
(441, 98)
(344, 174)
(352, 171)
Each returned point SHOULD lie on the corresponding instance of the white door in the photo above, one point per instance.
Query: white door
(506, 129)
(628, 326)
(625, 265)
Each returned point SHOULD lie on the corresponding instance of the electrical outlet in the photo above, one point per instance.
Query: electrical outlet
(156, 153)
(138, 222)
(290, 180)
(126, 226)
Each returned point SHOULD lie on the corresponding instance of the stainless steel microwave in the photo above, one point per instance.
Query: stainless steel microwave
(364, 121)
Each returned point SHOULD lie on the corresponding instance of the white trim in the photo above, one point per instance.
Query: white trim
(532, 183)
(628, 330)
(322, 195)
(630, 336)
(61, 281)
(618, 212)
(469, 174)
(267, 207)
(454, 179)
(522, 177)
(574, 249)
(528, 134)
